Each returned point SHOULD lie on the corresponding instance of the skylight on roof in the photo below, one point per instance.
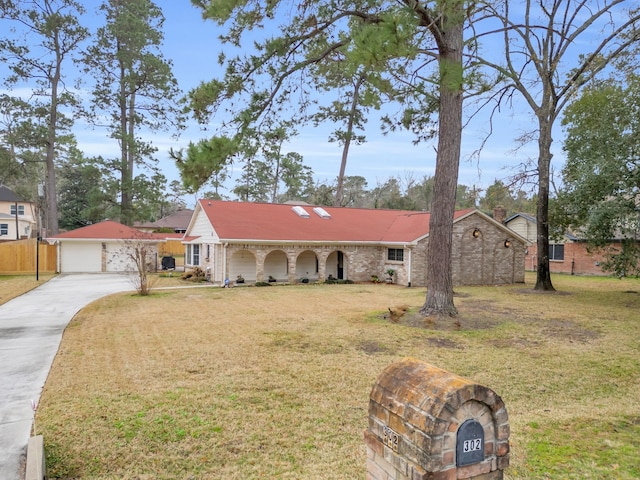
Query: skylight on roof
(321, 212)
(301, 212)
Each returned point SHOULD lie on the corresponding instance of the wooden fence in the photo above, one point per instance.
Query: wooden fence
(174, 248)
(20, 257)
(171, 247)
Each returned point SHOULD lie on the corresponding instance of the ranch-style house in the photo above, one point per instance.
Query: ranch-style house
(260, 242)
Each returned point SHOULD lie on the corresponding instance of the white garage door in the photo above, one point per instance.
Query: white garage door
(77, 257)
(118, 259)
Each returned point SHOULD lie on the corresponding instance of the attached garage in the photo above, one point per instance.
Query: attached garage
(103, 247)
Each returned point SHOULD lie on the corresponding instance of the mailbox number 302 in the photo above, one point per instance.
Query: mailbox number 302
(472, 445)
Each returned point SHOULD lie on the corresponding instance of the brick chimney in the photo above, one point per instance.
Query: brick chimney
(499, 214)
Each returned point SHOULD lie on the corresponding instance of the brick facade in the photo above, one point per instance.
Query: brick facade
(577, 260)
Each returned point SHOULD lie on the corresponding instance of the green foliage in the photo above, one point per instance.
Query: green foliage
(266, 168)
(44, 38)
(87, 192)
(360, 55)
(22, 141)
(203, 160)
(602, 174)
(149, 197)
(338, 281)
(501, 195)
(134, 87)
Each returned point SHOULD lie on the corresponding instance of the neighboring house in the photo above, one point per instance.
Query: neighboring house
(568, 255)
(103, 247)
(177, 222)
(292, 243)
(17, 218)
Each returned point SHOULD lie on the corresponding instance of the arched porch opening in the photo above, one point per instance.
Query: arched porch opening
(307, 266)
(243, 264)
(276, 265)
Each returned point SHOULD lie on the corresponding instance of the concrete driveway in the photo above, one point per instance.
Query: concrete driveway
(31, 328)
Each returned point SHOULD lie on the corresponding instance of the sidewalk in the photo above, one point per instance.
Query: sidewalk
(31, 328)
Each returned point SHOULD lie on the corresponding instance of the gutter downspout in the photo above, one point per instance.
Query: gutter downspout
(59, 257)
(224, 264)
(17, 225)
(409, 268)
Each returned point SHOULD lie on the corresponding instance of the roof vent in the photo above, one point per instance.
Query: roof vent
(301, 212)
(321, 212)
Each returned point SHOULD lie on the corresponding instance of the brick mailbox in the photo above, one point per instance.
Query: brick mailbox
(429, 424)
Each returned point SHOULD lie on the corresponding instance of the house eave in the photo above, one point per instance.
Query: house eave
(53, 241)
(254, 241)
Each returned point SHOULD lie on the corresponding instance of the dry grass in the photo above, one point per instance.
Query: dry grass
(274, 382)
(12, 286)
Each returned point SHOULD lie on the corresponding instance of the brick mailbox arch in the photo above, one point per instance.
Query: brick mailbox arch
(429, 424)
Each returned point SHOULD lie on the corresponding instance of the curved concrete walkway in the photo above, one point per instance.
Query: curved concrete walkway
(31, 328)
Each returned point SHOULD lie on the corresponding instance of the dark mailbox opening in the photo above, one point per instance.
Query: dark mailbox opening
(470, 443)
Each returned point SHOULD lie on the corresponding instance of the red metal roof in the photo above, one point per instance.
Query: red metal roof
(279, 222)
(107, 230)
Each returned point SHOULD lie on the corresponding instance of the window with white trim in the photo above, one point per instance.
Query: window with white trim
(4, 229)
(193, 254)
(395, 254)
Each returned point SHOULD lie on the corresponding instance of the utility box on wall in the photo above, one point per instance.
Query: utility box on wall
(428, 424)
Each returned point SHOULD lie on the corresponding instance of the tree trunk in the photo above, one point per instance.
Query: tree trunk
(276, 179)
(51, 193)
(50, 182)
(543, 274)
(439, 301)
(347, 143)
(132, 154)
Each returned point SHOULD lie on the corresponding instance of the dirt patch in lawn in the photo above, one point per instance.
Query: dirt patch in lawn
(371, 347)
(478, 315)
(533, 291)
(570, 331)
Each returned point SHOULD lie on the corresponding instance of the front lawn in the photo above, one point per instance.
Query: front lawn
(274, 382)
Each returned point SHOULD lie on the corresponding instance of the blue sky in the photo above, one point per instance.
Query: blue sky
(192, 46)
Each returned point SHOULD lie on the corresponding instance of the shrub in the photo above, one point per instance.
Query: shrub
(332, 281)
(262, 284)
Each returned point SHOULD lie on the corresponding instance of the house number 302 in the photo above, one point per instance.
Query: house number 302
(472, 445)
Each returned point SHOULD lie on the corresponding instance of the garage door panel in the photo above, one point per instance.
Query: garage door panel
(80, 257)
(118, 257)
